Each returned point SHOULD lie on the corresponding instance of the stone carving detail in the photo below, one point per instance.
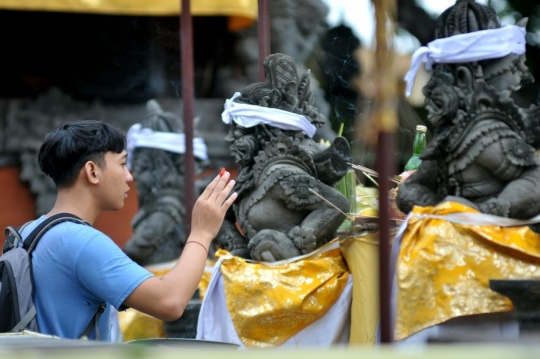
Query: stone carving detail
(28, 122)
(295, 28)
(276, 209)
(483, 147)
(158, 226)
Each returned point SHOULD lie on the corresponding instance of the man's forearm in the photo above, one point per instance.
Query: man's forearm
(182, 281)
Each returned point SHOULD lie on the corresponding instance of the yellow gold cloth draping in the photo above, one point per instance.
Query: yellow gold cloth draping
(362, 255)
(444, 268)
(269, 304)
(241, 13)
(137, 325)
(244, 8)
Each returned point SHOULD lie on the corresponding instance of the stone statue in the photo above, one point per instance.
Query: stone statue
(483, 147)
(158, 226)
(295, 29)
(283, 174)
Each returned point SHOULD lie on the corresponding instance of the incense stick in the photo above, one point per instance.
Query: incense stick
(330, 203)
(363, 169)
(371, 179)
(369, 172)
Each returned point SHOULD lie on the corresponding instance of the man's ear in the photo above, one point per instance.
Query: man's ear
(91, 171)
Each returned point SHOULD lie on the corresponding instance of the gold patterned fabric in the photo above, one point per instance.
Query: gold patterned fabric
(271, 303)
(444, 268)
(137, 325)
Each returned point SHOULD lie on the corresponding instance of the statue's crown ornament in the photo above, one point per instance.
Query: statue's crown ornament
(465, 16)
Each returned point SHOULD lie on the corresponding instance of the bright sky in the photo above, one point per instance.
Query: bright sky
(358, 14)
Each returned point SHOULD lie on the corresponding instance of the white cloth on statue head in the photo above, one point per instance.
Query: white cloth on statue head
(250, 115)
(470, 47)
(167, 141)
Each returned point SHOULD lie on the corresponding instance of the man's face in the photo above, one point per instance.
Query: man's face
(115, 178)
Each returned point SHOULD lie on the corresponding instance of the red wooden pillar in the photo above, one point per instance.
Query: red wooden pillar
(188, 99)
(386, 117)
(385, 167)
(263, 30)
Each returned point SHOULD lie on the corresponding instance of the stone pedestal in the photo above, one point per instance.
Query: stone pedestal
(525, 296)
(186, 326)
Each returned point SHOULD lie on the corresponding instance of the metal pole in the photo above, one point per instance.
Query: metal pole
(188, 99)
(387, 123)
(263, 29)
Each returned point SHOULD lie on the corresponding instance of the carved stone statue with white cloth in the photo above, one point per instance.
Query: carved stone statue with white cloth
(483, 148)
(155, 156)
(286, 204)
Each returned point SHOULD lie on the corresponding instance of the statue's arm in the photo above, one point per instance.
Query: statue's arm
(324, 204)
(508, 158)
(420, 189)
(513, 161)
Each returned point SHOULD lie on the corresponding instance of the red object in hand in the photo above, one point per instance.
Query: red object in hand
(222, 172)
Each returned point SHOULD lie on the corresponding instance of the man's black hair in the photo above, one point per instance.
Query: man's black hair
(66, 149)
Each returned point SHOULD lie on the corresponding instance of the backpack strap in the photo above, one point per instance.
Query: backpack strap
(25, 320)
(93, 323)
(30, 243)
(33, 238)
(13, 237)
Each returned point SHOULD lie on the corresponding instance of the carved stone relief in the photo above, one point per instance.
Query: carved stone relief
(27, 123)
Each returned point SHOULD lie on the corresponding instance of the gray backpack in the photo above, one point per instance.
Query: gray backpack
(16, 281)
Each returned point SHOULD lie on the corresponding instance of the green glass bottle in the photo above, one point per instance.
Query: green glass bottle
(418, 147)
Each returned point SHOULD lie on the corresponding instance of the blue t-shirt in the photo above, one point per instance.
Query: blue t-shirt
(75, 269)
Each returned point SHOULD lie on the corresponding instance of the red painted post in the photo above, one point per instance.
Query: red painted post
(188, 99)
(263, 29)
(385, 167)
(387, 123)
